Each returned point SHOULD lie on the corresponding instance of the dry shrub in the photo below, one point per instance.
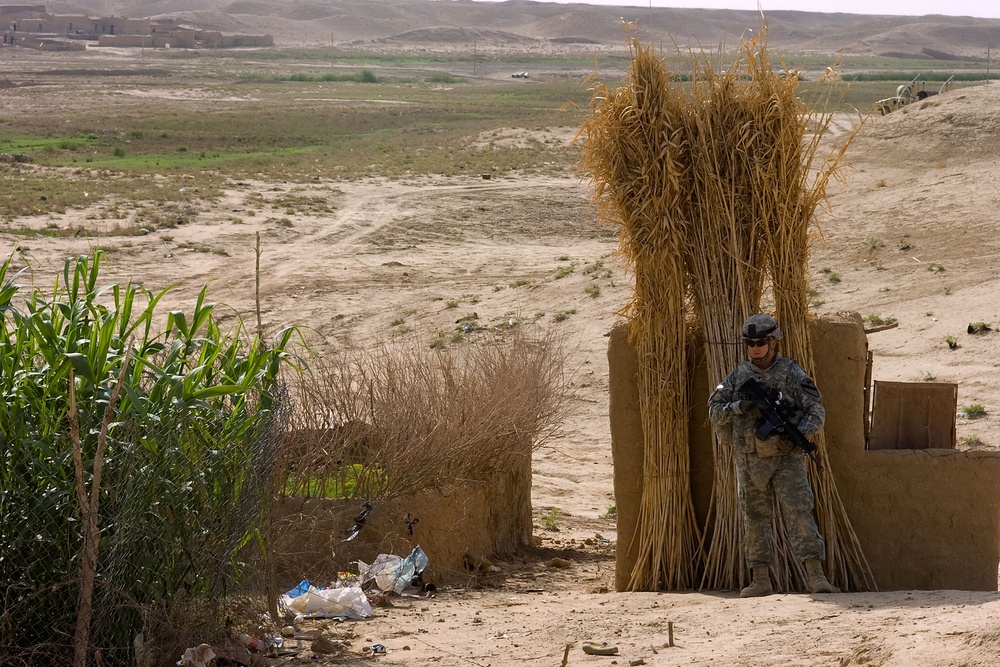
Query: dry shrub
(401, 418)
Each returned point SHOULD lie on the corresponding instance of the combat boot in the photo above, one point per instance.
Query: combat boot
(818, 582)
(761, 584)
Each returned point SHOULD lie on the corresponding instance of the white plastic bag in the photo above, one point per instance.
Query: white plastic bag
(347, 602)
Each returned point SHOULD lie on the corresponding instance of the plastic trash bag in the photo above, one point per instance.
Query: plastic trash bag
(392, 572)
(347, 602)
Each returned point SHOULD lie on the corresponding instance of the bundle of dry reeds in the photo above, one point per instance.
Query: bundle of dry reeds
(725, 272)
(714, 192)
(635, 154)
(787, 211)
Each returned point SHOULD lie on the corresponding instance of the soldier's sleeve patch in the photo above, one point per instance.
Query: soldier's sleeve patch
(810, 387)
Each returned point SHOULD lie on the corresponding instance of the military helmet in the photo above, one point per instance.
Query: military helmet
(761, 325)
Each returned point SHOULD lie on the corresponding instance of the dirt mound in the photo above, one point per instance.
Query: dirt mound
(249, 8)
(910, 235)
(963, 123)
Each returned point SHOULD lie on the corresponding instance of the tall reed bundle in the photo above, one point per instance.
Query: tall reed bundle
(713, 192)
(635, 155)
(786, 200)
(726, 273)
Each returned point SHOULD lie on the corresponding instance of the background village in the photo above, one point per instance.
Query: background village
(31, 26)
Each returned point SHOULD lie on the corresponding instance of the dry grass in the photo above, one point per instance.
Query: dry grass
(403, 418)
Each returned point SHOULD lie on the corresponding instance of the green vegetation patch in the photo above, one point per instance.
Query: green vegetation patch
(27, 192)
(342, 484)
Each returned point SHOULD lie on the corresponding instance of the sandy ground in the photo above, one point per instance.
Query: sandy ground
(920, 191)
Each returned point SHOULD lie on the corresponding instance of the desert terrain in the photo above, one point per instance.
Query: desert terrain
(910, 234)
(431, 25)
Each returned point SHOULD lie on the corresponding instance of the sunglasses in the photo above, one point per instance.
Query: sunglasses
(760, 342)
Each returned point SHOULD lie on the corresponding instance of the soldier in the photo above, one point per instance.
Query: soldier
(772, 467)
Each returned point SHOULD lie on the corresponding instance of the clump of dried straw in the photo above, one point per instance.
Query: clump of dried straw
(637, 155)
(713, 189)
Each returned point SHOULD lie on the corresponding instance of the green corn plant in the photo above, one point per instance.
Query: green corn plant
(188, 463)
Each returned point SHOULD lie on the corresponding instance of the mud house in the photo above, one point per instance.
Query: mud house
(32, 26)
(927, 515)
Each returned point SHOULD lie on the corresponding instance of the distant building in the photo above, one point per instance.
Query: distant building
(33, 27)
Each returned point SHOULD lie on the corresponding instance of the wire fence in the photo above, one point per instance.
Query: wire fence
(175, 539)
(135, 465)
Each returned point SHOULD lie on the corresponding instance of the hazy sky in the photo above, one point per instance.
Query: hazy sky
(979, 8)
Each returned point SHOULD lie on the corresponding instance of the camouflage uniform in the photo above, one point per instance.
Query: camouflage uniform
(760, 478)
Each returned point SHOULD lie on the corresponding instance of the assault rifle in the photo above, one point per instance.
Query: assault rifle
(776, 418)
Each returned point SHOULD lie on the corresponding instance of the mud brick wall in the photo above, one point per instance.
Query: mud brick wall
(465, 522)
(926, 519)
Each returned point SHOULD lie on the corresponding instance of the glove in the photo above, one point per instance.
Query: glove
(750, 409)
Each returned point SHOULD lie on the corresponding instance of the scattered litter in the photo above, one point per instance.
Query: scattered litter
(393, 573)
(302, 587)
(599, 649)
(197, 656)
(252, 643)
(359, 522)
(346, 602)
(410, 522)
